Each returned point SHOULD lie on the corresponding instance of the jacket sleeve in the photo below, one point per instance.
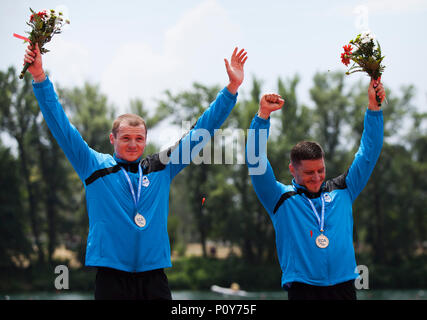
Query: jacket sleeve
(368, 153)
(266, 187)
(67, 136)
(189, 146)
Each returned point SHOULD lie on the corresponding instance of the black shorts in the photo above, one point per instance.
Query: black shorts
(112, 284)
(340, 291)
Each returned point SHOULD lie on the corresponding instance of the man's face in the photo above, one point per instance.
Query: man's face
(309, 173)
(129, 142)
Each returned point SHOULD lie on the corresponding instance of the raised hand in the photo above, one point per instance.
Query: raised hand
(375, 89)
(33, 56)
(235, 69)
(269, 103)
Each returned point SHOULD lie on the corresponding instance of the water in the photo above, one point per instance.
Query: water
(209, 295)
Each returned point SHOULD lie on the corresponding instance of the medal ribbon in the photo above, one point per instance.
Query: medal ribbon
(321, 220)
(135, 199)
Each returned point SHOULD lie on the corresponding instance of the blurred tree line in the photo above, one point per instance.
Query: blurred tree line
(43, 203)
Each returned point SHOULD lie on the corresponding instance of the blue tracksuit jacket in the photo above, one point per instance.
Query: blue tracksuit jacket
(295, 224)
(114, 239)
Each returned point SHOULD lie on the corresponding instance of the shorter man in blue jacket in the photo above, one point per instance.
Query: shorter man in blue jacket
(313, 218)
(127, 196)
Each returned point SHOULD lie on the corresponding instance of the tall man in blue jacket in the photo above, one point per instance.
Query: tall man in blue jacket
(127, 195)
(313, 218)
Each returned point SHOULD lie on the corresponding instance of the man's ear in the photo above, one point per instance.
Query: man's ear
(112, 139)
(292, 169)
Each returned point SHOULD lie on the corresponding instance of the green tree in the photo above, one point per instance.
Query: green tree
(91, 113)
(55, 191)
(13, 241)
(417, 139)
(188, 106)
(329, 118)
(19, 114)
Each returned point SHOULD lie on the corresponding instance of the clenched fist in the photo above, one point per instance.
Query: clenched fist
(269, 103)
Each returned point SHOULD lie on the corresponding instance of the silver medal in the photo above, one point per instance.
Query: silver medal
(140, 220)
(322, 241)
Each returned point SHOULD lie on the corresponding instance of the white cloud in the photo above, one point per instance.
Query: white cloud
(136, 71)
(71, 62)
(193, 50)
(200, 32)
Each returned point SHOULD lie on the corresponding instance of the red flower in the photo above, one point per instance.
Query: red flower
(347, 49)
(345, 59)
(345, 56)
(41, 14)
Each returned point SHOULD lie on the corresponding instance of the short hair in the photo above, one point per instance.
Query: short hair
(306, 150)
(131, 119)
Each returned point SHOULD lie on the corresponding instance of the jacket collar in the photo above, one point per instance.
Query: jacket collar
(131, 166)
(303, 190)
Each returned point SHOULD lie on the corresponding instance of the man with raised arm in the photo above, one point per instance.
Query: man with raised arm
(313, 218)
(127, 195)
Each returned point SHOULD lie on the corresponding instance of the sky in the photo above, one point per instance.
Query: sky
(139, 49)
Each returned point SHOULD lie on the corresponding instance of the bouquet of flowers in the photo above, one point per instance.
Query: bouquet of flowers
(366, 57)
(44, 25)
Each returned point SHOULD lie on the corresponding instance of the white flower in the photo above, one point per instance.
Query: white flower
(364, 40)
(47, 12)
(63, 13)
(367, 36)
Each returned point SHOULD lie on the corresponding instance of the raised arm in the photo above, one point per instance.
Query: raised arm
(190, 145)
(267, 188)
(67, 136)
(370, 144)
